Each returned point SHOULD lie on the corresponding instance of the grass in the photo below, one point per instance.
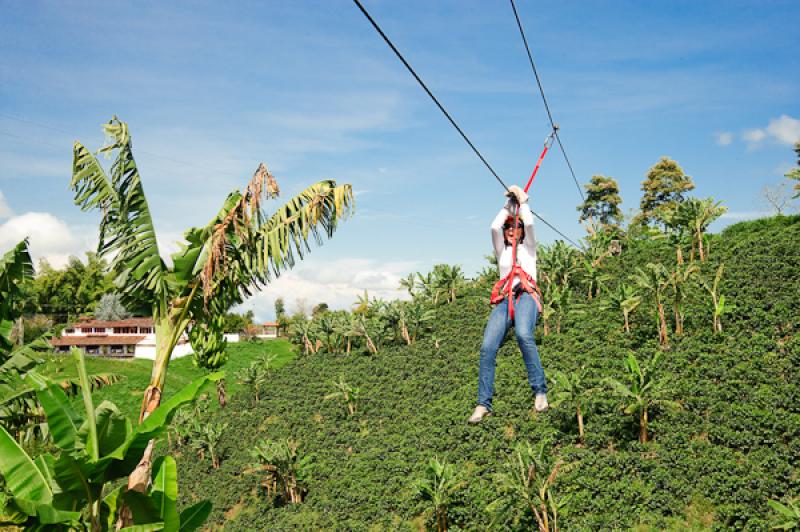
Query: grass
(135, 373)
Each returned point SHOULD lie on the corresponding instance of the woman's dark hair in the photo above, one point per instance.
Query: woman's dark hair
(510, 224)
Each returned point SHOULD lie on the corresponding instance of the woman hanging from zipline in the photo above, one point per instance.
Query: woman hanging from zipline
(517, 300)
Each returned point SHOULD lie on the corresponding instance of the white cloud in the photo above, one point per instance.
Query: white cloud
(754, 136)
(50, 237)
(336, 283)
(783, 130)
(724, 138)
(5, 210)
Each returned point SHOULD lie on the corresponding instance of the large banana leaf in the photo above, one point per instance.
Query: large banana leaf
(62, 420)
(15, 267)
(165, 492)
(195, 516)
(23, 479)
(127, 235)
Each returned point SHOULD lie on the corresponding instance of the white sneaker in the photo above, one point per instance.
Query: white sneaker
(478, 415)
(540, 404)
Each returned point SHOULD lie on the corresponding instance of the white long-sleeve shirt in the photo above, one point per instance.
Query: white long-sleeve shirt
(526, 252)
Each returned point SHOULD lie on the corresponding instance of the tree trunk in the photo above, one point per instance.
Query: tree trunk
(643, 426)
(222, 395)
(679, 253)
(627, 323)
(678, 319)
(662, 332)
(580, 424)
(700, 246)
(546, 327)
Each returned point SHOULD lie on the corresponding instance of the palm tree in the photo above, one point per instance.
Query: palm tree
(624, 300)
(570, 390)
(428, 287)
(641, 391)
(652, 280)
(438, 486)
(240, 248)
(678, 281)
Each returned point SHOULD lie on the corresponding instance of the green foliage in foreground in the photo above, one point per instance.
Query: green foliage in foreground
(73, 486)
(716, 462)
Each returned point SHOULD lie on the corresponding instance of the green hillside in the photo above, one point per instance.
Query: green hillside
(714, 463)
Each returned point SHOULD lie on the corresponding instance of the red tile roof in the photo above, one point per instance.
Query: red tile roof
(97, 340)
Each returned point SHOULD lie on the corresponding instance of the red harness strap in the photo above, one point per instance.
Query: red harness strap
(504, 288)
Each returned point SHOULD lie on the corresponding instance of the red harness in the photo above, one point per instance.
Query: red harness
(504, 288)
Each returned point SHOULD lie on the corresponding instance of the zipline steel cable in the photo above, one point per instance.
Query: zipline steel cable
(544, 99)
(447, 115)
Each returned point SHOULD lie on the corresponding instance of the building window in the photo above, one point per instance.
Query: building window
(69, 330)
(92, 350)
(145, 330)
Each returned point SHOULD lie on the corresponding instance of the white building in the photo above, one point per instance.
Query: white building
(128, 338)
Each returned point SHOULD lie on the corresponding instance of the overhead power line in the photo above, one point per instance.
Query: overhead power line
(544, 99)
(447, 115)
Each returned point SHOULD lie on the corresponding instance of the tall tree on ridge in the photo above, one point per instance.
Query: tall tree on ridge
(602, 202)
(663, 188)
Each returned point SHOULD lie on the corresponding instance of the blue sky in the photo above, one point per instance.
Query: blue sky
(210, 89)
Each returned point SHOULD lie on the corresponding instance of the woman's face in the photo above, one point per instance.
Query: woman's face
(512, 233)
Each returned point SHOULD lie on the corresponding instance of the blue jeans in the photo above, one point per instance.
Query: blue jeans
(525, 315)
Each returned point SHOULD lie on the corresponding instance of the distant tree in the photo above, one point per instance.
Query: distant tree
(776, 197)
(281, 317)
(664, 186)
(602, 202)
(319, 309)
(71, 291)
(301, 307)
(110, 308)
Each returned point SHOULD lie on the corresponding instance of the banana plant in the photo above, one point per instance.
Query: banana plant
(718, 303)
(347, 393)
(94, 451)
(438, 487)
(287, 470)
(570, 390)
(625, 300)
(653, 279)
(240, 249)
(787, 516)
(642, 390)
(526, 486)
